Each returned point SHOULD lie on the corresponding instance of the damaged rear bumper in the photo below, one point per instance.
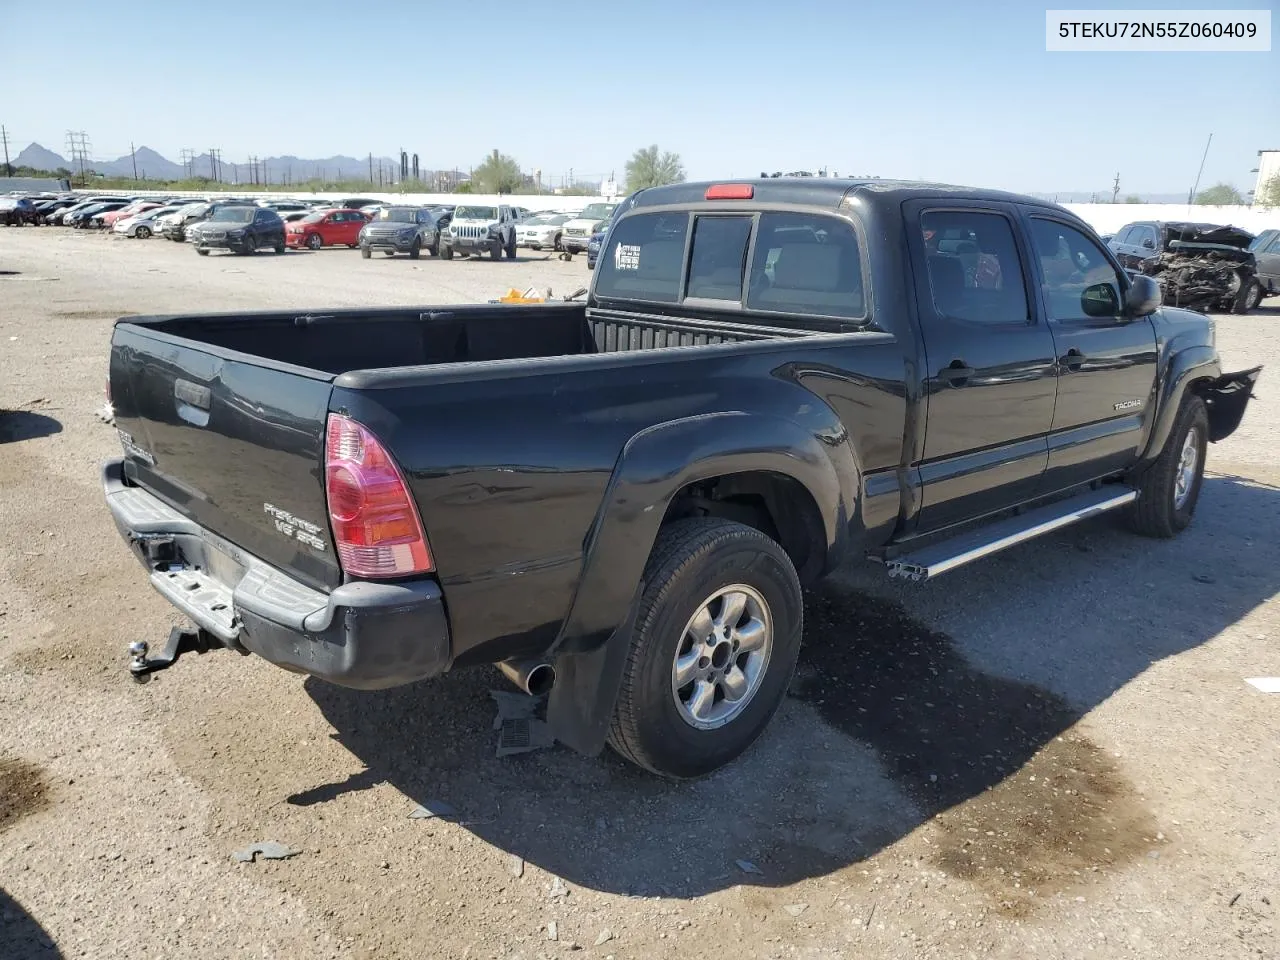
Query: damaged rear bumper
(1226, 399)
(363, 635)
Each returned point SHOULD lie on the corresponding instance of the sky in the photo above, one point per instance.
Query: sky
(957, 92)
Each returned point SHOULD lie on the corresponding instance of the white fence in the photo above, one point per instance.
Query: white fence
(1103, 217)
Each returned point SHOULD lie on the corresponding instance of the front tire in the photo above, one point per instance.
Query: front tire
(203, 252)
(446, 252)
(366, 252)
(1169, 488)
(714, 646)
(143, 233)
(416, 250)
(1255, 296)
(314, 242)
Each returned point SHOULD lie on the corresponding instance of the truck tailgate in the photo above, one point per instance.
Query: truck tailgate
(234, 443)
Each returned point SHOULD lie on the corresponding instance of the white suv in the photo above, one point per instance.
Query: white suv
(475, 229)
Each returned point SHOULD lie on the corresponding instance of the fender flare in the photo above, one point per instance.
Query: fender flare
(1185, 367)
(590, 651)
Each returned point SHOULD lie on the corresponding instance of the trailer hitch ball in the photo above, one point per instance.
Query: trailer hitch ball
(138, 660)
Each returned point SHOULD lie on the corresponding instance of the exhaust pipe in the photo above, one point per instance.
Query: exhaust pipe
(534, 677)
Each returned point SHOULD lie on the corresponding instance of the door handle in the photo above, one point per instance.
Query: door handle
(1074, 359)
(956, 374)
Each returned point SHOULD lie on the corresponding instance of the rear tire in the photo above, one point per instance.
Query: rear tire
(446, 252)
(695, 568)
(1169, 488)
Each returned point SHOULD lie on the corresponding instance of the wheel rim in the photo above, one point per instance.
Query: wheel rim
(1188, 461)
(314, 241)
(722, 657)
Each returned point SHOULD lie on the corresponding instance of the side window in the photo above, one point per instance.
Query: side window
(1273, 246)
(1078, 279)
(975, 273)
(1144, 236)
(807, 264)
(643, 258)
(719, 257)
(1122, 235)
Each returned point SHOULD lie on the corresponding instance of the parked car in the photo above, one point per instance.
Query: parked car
(480, 229)
(578, 230)
(46, 209)
(778, 375)
(173, 226)
(593, 248)
(355, 203)
(285, 206)
(542, 230)
(1202, 266)
(61, 216)
(109, 219)
(443, 214)
(82, 219)
(241, 229)
(401, 230)
(181, 229)
(18, 212)
(1266, 251)
(326, 228)
(142, 225)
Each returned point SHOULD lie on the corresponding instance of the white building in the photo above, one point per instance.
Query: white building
(1268, 167)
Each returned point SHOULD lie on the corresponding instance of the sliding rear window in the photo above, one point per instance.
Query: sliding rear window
(806, 264)
(643, 258)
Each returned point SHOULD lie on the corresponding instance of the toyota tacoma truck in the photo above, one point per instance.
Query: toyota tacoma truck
(619, 499)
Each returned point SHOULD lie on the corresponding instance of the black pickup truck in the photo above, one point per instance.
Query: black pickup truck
(619, 499)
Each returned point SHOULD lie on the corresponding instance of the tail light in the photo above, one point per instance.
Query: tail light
(375, 523)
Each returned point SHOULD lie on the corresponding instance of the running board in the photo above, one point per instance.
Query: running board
(938, 558)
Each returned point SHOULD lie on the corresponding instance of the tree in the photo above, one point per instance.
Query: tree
(649, 168)
(1220, 195)
(498, 174)
(1134, 198)
(1269, 195)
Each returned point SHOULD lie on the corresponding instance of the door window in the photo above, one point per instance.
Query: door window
(975, 273)
(1273, 246)
(1078, 279)
(1122, 235)
(1143, 236)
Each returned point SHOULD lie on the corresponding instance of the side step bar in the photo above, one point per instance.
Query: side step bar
(938, 558)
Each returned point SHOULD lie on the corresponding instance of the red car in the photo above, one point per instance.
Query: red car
(326, 228)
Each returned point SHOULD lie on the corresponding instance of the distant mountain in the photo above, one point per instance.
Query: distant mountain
(38, 158)
(150, 165)
(1104, 196)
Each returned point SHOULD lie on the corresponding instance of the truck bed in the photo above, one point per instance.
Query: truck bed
(342, 341)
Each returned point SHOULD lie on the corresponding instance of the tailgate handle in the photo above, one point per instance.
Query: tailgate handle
(192, 400)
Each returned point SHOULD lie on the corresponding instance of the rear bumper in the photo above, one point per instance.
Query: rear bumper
(364, 635)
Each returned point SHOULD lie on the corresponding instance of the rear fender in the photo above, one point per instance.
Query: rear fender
(655, 465)
(1226, 399)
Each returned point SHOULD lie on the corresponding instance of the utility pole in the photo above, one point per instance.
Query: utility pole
(1115, 189)
(133, 155)
(4, 136)
(371, 166)
(187, 156)
(78, 147)
(1192, 199)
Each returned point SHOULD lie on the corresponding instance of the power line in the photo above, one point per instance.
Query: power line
(187, 156)
(4, 136)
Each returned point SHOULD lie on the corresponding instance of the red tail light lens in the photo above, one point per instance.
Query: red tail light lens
(375, 523)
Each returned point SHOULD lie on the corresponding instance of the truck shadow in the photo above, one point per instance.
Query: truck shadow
(24, 425)
(21, 937)
(891, 724)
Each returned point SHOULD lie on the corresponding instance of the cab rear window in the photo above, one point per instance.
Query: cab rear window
(802, 263)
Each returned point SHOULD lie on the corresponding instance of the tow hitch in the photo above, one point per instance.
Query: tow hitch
(181, 640)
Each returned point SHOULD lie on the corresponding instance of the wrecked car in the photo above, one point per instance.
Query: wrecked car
(1200, 266)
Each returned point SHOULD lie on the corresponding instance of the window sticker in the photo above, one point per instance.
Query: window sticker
(626, 256)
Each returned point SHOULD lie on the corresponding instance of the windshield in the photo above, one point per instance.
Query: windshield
(401, 214)
(546, 220)
(233, 215)
(597, 211)
(475, 213)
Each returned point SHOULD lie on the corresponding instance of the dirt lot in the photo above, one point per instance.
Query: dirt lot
(1052, 753)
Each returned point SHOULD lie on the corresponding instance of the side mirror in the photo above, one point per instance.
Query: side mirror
(1143, 298)
(1149, 243)
(1100, 300)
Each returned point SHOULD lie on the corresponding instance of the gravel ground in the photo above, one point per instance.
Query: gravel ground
(1052, 753)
